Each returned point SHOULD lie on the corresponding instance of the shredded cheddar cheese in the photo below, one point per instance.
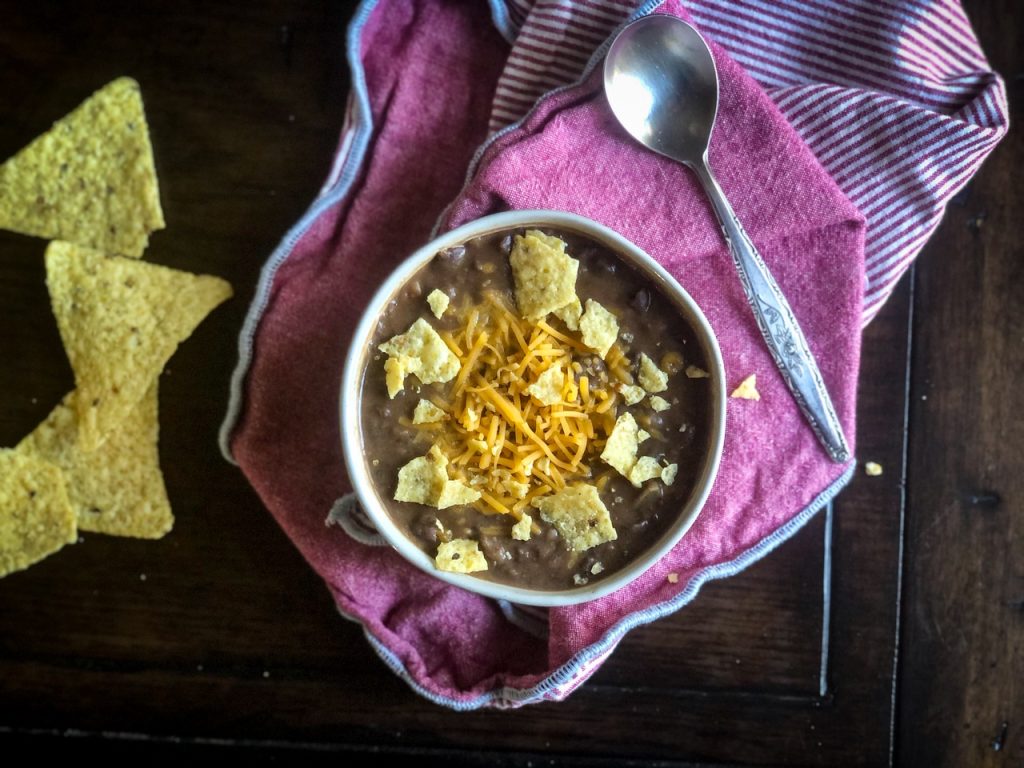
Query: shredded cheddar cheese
(521, 421)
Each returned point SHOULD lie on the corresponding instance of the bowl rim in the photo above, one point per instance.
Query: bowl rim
(351, 425)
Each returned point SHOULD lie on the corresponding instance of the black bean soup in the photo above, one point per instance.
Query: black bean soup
(648, 322)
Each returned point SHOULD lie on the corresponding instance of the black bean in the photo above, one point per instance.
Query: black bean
(425, 528)
(453, 257)
(494, 549)
(653, 491)
(641, 301)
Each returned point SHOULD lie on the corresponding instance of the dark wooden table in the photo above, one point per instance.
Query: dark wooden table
(219, 641)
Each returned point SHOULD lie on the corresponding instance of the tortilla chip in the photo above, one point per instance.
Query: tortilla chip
(117, 489)
(548, 386)
(652, 378)
(426, 413)
(579, 516)
(632, 393)
(421, 481)
(544, 274)
(420, 351)
(120, 321)
(438, 301)
(570, 314)
(516, 489)
(522, 530)
(455, 492)
(470, 419)
(394, 375)
(693, 372)
(36, 518)
(90, 179)
(599, 328)
(659, 403)
(646, 468)
(460, 556)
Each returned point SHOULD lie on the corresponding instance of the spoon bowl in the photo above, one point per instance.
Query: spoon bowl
(662, 85)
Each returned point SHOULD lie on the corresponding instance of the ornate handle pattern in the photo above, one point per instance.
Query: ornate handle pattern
(778, 325)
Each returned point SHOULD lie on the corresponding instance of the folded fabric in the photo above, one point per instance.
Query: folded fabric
(425, 78)
(874, 87)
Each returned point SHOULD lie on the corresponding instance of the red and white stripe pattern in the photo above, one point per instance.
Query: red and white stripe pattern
(894, 97)
(555, 41)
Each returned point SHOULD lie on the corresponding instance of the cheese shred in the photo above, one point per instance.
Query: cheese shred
(510, 445)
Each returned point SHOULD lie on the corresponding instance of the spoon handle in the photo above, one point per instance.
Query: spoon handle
(778, 325)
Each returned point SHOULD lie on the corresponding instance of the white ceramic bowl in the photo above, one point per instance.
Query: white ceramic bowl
(351, 428)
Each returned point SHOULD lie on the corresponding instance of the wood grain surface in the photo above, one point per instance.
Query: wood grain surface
(219, 641)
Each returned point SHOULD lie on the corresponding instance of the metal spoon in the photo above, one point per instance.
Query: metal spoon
(662, 85)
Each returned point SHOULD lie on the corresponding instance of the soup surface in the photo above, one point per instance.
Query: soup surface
(543, 449)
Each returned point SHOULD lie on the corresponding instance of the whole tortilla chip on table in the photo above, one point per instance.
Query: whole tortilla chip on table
(117, 489)
(36, 518)
(120, 321)
(90, 179)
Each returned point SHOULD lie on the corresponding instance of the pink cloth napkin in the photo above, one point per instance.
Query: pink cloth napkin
(425, 74)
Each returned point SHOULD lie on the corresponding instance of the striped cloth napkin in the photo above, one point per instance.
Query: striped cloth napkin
(895, 98)
(896, 104)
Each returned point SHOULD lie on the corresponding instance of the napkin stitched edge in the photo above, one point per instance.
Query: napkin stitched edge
(575, 671)
(356, 135)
